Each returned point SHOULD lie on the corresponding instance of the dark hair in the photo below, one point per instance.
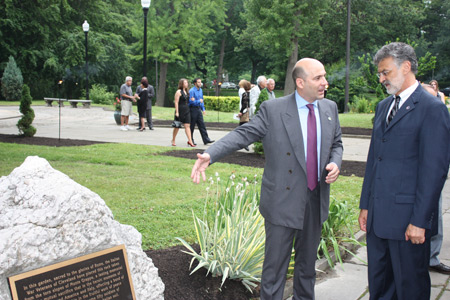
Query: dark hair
(246, 85)
(400, 52)
(195, 80)
(144, 82)
(181, 83)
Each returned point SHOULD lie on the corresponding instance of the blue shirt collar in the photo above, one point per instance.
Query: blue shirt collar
(301, 102)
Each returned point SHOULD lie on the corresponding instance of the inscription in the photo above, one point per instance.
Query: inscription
(102, 275)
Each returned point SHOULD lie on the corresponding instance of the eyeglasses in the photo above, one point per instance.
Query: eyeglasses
(384, 73)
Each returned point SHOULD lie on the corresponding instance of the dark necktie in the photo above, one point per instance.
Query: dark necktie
(393, 110)
(311, 153)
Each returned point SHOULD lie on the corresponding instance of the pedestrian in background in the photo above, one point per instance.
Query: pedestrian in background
(148, 111)
(440, 94)
(127, 99)
(142, 103)
(182, 112)
(197, 109)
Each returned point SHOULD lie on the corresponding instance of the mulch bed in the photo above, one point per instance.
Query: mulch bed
(43, 141)
(173, 268)
(172, 264)
(348, 168)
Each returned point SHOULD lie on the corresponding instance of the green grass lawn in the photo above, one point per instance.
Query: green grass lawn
(149, 191)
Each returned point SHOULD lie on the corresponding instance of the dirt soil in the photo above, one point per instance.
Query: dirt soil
(173, 265)
(173, 268)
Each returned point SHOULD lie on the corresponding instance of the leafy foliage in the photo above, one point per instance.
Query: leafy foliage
(222, 103)
(100, 95)
(337, 230)
(24, 124)
(230, 233)
(12, 81)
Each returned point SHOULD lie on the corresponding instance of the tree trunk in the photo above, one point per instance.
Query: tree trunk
(220, 66)
(289, 85)
(254, 65)
(161, 95)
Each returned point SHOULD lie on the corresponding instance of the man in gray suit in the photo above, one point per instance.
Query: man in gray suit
(302, 144)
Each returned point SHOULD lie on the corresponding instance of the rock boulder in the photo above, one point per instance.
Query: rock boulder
(46, 218)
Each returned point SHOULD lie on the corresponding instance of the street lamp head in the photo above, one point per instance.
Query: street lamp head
(85, 26)
(146, 3)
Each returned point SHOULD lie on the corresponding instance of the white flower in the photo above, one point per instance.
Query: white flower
(217, 174)
(227, 189)
(256, 175)
(207, 189)
(232, 176)
(218, 179)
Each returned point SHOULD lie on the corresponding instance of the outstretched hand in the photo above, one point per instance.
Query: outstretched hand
(200, 166)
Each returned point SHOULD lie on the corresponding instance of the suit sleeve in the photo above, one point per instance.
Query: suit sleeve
(365, 193)
(433, 164)
(242, 136)
(337, 148)
(151, 92)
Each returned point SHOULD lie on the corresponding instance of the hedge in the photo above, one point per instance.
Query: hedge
(222, 103)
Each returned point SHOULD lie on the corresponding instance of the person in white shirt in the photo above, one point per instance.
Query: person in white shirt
(254, 93)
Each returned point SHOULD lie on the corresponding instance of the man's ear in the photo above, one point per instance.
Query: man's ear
(406, 67)
(299, 82)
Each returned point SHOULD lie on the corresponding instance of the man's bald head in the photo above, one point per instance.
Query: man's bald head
(309, 79)
(301, 67)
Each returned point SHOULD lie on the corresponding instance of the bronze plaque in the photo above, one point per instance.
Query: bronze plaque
(102, 275)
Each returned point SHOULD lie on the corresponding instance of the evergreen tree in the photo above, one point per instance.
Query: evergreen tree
(263, 96)
(12, 81)
(24, 124)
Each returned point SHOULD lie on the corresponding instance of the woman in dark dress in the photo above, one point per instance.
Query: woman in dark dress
(245, 103)
(182, 112)
(142, 103)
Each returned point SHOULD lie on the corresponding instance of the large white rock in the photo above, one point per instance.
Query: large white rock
(46, 218)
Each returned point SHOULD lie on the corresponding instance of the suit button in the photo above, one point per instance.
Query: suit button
(380, 159)
(290, 171)
(288, 154)
(288, 188)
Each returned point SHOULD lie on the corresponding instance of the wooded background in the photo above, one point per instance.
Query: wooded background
(208, 38)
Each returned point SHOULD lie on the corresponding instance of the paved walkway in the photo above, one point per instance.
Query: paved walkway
(343, 283)
(97, 124)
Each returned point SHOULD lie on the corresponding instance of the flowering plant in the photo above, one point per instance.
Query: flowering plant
(117, 104)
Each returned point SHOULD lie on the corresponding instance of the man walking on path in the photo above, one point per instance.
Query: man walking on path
(254, 93)
(406, 169)
(197, 110)
(148, 111)
(303, 149)
(126, 100)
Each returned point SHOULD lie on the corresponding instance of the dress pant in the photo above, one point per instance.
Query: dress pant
(197, 118)
(278, 250)
(436, 240)
(148, 115)
(398, 270)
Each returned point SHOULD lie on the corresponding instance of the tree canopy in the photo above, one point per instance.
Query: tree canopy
(210, 39)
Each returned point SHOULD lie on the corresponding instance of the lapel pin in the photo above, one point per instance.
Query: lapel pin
(408, 107)
(329, 118)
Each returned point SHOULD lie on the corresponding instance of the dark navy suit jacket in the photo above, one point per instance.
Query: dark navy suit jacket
(407, 166)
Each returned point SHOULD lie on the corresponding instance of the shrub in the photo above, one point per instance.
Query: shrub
(100, 95)
(221, 103)
(24, 124)
(361, 105)
(12, 81)
(337, 230)
(230, 233)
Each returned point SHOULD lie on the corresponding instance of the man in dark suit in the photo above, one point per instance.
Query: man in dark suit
(406, 169)
(302, 144)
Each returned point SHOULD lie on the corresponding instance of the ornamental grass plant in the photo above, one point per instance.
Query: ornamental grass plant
(230, 232)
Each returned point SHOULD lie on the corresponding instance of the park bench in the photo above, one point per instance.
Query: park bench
(74, 103)
(50, 100)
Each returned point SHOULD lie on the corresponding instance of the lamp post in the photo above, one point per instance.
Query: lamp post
(145, 5)
(86, 30)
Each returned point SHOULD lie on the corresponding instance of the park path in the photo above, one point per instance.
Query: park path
(97, 124)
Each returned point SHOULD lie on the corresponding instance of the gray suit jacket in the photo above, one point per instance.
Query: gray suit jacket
(284, 184)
